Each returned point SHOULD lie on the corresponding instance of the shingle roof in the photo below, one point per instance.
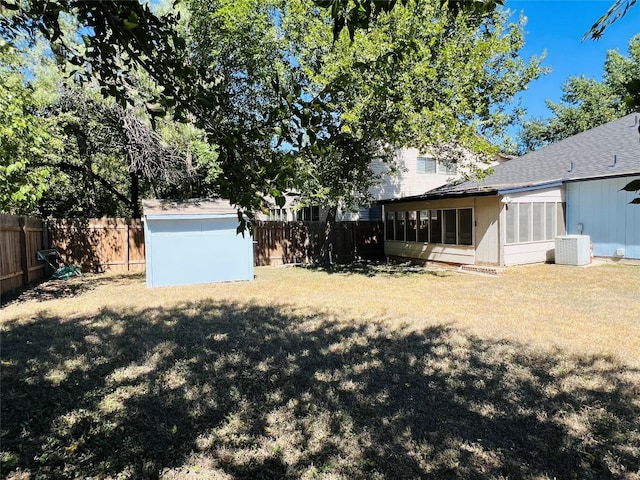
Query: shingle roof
(610, 150)
(192, 206)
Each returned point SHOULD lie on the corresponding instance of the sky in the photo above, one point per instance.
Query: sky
(558, 26)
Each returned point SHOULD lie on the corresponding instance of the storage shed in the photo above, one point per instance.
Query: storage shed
(195, 241)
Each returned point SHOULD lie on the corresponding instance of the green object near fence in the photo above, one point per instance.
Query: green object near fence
(65, 272)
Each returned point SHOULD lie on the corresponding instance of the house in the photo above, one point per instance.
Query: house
(513, 215)
(194, 241)
(416, 174)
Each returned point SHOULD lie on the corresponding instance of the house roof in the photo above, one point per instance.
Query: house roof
(194, 206)
(610, 150)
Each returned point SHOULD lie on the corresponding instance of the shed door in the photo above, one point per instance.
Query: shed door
(185, 252)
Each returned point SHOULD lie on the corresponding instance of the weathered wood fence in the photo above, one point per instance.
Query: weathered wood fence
(99, 244)
(116, 244)
(297, 242)
(20, 239)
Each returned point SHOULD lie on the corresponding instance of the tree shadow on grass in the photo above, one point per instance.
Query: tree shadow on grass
(66, 288)
(373, 269)
(224, 390)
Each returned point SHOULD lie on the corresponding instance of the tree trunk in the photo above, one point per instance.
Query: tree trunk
(326, 252)
(135, 193)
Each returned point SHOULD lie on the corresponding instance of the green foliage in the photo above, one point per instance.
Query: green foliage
(361, 14)
(418, 77)
(281, 104)
(616, 11)
(25, 138)
(587, 103)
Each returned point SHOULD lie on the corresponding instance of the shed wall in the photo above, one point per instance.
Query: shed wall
(196, 250)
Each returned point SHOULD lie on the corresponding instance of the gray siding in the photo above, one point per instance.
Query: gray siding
(603, 210)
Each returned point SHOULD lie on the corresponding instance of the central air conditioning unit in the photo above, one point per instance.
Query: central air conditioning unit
(573, 250)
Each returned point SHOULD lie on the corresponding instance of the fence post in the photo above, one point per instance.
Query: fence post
(126, 247)
(24, 248)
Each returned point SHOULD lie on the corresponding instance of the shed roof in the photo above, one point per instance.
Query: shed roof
(610, 150)
(193, 206)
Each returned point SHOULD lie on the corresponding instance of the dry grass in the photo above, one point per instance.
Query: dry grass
(371, 372)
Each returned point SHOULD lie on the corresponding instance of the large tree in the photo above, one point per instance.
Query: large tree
(120, 39)
(25, 137)
(587, 103)
(123, 37)
(420, 76)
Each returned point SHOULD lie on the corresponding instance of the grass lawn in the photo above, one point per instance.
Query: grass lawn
(364, 373)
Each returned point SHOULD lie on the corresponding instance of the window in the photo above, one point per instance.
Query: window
(423, 226)
(412, 221)
(278, 214)
(465, 226)
(534, 222)
(538, 222)
(399, 223)
(550, 223)
(512, 223)
(447, 168)
(309, 214)
(426, 165)
(560, 222)
(450, 227)
(455, 226)
(436, 226)
(375, 212)
(524, 222)
(390, 226)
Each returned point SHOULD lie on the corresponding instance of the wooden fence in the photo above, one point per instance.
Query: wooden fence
(116, 244)
(296, 242)
(20, 239)
(99, 244)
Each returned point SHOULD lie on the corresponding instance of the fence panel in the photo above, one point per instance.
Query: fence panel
(20, 239)
(296, 242)
(99, 244)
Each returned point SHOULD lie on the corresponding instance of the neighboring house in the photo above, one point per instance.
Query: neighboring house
(513, 216)
(417, 173)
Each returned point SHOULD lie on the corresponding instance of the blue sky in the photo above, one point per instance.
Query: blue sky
(557, 26)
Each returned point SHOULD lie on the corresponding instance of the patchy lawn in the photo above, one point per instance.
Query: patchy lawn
(366, 373)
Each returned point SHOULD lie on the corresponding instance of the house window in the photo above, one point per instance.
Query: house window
(447, 168)
(561, 228)
(534, 222)
(550, 221)
(431, 165)
(537, 213)
(426, 165)
(390, 226)
(450, 227)
(309, 214)
(423, 226)
(375, 212)
(455, 226)
(412, 220)
(512, 223)
(436, 226)
(399, 226)
(465, 226)
(278, 214)
(524, 222)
